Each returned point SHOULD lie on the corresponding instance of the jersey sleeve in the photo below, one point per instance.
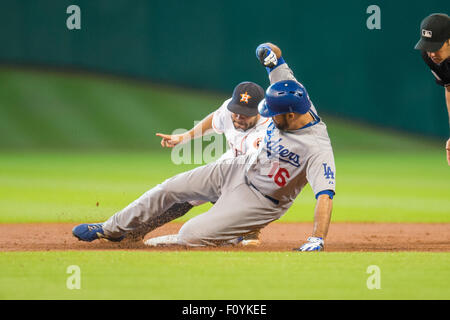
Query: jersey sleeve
(438, 80)
(218, 120)
(441, 76)
(321, 173)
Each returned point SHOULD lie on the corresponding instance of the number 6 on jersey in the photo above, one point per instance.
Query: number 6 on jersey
(281, 175)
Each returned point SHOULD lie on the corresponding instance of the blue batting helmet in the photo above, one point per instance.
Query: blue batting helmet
(284, 97)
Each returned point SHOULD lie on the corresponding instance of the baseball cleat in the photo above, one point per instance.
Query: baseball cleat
(90, 232)
(250, 243)
(251, 239)
(162, 241)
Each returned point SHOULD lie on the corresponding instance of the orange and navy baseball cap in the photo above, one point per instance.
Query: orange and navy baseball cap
(245, 99)
(434, 31)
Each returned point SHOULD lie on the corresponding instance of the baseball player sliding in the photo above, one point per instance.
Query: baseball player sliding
(238, 119)
(251, 190)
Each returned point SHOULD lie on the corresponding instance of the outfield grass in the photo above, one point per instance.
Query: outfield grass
(224, 275)
(84, 111)
(78, 148)
(101, 148)
(91, 112)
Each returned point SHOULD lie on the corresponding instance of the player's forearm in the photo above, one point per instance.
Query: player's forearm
(275, 49)
(281, 71)
(322, 216)
(202, 128)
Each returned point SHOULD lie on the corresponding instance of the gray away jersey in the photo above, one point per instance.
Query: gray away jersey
(287, 160)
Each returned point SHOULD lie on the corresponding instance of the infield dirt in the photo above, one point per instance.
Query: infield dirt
(275, 237)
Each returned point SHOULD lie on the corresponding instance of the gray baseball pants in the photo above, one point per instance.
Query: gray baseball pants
(239, 209)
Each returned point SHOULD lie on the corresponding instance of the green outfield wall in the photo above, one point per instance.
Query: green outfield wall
(350, 70)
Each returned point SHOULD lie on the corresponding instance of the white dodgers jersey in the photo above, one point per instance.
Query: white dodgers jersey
(288, 160)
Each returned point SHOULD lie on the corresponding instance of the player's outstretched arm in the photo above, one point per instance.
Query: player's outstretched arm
(269, 55)
(322, 218)
(447, 100)
(202, 128)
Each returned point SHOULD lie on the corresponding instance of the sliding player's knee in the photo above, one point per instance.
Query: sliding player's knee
(190, 235)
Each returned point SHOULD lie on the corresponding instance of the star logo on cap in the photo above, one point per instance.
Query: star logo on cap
(244, 97)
